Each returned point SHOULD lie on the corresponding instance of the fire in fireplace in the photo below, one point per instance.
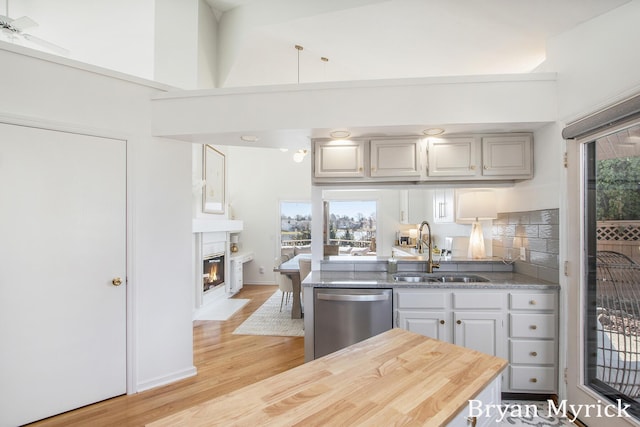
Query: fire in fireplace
(212, 271)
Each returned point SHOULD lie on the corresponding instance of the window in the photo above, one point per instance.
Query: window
(612, 236)
(295, 224)
(351, 223)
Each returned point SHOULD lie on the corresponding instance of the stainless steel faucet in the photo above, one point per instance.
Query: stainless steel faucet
(430, 264)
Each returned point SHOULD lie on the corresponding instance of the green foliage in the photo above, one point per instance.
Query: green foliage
(618, 189)
(348, 236)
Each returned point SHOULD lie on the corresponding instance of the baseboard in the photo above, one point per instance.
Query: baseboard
(167, 379)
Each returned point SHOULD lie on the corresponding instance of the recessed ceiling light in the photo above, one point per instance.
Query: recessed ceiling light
(340, 134)
(284, 150)
(433, 131)
(249, 138)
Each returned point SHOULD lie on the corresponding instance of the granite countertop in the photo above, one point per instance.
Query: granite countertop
(382, 279)
(413, 258)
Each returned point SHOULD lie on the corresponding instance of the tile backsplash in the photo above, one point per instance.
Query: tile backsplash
(535, 231)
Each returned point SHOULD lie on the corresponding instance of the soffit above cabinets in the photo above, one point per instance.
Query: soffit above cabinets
(289, 116)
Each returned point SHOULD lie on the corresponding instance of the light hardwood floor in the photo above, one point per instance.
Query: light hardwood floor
(225, 362)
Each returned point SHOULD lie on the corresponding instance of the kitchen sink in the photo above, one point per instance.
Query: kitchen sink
(413, 277)
(470, 278)
(438, 278)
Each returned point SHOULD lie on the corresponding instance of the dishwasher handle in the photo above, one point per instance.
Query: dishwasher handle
(353, 297)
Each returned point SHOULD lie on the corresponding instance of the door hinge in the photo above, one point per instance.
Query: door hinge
(566, 376)
(565, 159)
(566, 268)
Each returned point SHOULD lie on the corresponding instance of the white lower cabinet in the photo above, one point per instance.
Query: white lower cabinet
(520, 326)
(483, 332)
(428, 323)
(533, 342)
(478, 413)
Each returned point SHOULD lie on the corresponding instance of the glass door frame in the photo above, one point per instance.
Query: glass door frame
(576, 270)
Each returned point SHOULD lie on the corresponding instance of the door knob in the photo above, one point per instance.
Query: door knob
(117, 281)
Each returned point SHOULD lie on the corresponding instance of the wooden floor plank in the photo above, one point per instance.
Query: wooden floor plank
(225, 363)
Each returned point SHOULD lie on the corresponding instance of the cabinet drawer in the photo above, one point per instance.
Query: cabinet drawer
(475, 300)
(533, 379)
(422, 299)
(532, 352)
(533, 325)
(532, 301)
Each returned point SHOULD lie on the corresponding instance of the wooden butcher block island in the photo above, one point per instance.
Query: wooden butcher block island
(395, 378)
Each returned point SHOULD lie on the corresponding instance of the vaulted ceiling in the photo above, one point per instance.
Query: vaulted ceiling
(377, 39)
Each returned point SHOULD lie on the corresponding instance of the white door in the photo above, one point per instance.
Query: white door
(62, 243)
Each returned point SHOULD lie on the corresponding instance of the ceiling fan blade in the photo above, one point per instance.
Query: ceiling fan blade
(23, 23)
(48, 45)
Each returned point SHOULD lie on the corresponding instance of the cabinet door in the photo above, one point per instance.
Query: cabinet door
(339, 159)
(399, 158)
(443, 206)
(452, 157)
(509, 155)
(483, 332)
(413, 206)
(433, 324)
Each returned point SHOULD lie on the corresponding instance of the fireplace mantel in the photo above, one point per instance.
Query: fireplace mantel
(200, 225)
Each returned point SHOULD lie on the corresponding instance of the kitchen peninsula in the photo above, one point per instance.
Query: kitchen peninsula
(394, 378)
(481, 305)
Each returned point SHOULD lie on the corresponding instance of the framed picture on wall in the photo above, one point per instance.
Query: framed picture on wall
(213, 173)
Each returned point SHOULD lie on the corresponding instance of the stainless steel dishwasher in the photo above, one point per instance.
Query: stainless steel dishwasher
(346, 316)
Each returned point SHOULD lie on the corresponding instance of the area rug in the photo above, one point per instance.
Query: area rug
(531, 413)
(220, 307)
(269, 320)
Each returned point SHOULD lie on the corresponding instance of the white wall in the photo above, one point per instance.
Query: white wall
(159, 194)
(118, 35)
(597, 62)
(258, 179)
(170, 41)
(176, 43)
(543, 191)
(207, 46)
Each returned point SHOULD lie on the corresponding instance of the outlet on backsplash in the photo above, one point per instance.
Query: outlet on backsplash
(523, 254)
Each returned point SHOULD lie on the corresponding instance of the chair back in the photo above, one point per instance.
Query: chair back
(283, 281)
(305, 267)
(330, 250)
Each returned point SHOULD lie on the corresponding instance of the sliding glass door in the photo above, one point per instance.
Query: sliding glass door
(604, 284)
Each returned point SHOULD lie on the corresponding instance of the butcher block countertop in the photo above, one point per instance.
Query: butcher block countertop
(395, 378)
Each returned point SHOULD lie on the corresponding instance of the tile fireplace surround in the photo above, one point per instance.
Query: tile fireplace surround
(210, 237)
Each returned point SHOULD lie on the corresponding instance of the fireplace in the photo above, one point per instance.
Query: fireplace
(212, 271)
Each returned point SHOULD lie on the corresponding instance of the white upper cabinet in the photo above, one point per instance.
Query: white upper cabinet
(339, 159)
(443, 205)
(395, 158)
(414, 206)
(452, 157)
(485, 157)
(507, 155)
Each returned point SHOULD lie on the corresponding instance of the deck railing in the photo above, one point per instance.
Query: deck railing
(618, 325)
